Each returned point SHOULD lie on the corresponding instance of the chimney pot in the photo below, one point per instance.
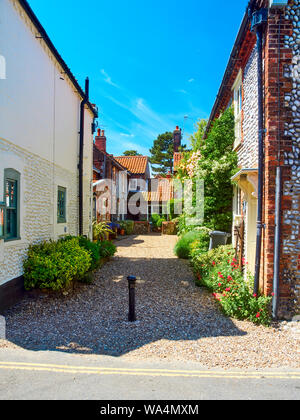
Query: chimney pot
(100, 141)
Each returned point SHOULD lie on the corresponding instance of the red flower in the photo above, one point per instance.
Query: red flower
(228, 289)
(213, 263)
(258, 315)
(220, 284)
(255, 295)
(229, 278)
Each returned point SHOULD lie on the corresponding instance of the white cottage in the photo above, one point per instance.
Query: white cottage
(46, 145)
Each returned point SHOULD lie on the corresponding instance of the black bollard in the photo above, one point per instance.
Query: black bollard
(131, 286)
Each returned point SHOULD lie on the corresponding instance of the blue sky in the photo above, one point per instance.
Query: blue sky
(150, 63)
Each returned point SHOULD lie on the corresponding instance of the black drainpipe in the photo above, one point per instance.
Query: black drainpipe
(81, 147)
(259, 18)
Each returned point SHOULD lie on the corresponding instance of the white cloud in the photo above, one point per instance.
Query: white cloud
(127, 135)
(108, 79)
(191, 80)
(181, 91)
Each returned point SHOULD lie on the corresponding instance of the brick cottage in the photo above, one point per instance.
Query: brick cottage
(262, 82)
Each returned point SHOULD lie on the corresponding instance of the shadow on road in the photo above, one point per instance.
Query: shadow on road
(92, 319)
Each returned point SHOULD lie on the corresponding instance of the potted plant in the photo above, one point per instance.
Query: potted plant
(122, 227)
(101, 231)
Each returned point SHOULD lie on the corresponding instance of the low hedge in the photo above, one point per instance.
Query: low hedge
(157, 220)
(54, 265)
(198, 238)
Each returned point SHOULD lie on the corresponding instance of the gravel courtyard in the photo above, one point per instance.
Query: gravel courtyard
(176, 319)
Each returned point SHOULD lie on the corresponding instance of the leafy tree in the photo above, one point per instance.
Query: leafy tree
(216, 165)
(131, 153)
(197, 138)
(162, 154)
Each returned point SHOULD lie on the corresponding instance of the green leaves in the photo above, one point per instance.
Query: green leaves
(216, 165)
(54, 265)
(101, 230)
(219, 271)
(191, 240)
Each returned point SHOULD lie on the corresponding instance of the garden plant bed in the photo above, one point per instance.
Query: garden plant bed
(176, 319)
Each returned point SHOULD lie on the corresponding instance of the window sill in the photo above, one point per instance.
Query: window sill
(10, 240)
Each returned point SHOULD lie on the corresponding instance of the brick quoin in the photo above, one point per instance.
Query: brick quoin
(276, 118)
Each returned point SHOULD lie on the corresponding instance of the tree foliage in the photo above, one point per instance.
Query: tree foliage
(131, 153)
(216, 164)
(197, 138)
(162, 154)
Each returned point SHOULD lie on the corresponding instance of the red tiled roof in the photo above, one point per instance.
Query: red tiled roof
(164, 191)
(137, 165)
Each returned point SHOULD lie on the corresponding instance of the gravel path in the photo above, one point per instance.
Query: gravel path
(176, 320)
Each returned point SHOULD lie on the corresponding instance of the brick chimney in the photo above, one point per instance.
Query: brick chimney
(177, 136)
(100, 140)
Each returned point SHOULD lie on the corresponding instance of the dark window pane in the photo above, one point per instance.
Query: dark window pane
(61, 205)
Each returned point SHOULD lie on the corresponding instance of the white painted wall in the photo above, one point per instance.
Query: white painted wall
(39, 125)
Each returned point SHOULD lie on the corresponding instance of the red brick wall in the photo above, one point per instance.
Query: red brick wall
(277, 145)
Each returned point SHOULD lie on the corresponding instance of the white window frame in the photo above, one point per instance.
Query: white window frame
(237, 201)
(238, 106)
(133, 184)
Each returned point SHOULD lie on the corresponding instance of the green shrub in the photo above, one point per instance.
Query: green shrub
(219, 271)
(203, 262)
(172, 206)
(54, 265)
(129, 227)
(107, 249)
(157, 220)
(93, 249)
(186, 242)
(101, 230)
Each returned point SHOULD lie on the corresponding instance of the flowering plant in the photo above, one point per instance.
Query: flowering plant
(220, 272)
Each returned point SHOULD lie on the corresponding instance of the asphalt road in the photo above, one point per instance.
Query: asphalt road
(27, 375)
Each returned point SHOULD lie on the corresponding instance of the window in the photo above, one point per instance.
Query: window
(133, 185)
(237, 202)
(11, 210)
(238, 106)
(61, 205)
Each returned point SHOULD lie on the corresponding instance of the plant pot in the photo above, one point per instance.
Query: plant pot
(122, 232)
